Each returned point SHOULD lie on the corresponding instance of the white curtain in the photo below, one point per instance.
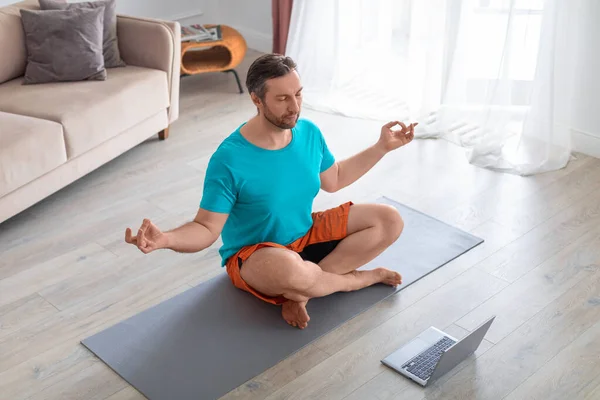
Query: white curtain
(507, 79)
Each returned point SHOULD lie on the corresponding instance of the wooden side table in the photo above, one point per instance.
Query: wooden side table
(215, 56)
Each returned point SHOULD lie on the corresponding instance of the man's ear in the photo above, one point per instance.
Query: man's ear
(255, 99)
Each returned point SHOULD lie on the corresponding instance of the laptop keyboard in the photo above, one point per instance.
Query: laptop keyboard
(423, 364)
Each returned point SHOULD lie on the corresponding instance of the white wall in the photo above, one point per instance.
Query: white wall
(251, 17)
(587, 143)
(172, 9)
(169, 9)
(586, 120)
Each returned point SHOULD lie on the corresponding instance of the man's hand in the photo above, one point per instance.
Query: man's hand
(191, 237)
(393, 139)
(148, 238)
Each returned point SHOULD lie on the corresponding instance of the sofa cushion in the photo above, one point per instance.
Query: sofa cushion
(13, 52)
(110, 42)
(91, 112)
(63, 45)
(29, 148)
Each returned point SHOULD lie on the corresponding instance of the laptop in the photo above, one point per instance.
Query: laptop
(433, 353)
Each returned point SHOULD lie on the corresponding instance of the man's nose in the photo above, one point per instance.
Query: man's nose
(294, 106)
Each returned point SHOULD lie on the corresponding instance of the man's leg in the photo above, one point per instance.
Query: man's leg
(372, 228)
(281, 272)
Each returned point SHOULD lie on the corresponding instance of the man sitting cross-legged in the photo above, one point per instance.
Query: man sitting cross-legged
(258, 194)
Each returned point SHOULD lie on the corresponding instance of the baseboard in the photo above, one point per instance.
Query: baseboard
(586, 144)
(256, 40)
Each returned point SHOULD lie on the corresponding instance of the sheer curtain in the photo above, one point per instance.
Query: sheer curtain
(356, 59)
(502, 78)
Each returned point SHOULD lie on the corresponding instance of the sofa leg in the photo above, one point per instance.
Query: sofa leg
(162, 135)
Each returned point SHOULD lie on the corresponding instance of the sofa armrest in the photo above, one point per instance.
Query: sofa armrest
(156, 44)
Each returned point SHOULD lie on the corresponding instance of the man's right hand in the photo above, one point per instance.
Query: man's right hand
(148, 238)
(191, 237)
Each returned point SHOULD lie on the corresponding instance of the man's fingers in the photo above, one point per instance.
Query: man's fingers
(128, 235)
(142, 233)
(129, 238)
(140, 240)
(146, 250)
(409, 132)
(391, 124)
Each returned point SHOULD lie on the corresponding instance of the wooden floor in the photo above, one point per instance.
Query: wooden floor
(66, 273)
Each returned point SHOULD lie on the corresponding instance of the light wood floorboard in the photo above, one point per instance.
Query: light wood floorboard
(66, 273)
(570, 372)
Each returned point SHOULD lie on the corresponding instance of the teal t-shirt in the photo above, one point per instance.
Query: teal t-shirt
(268, 194)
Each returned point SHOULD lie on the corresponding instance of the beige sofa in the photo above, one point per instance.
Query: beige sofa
(52, 134)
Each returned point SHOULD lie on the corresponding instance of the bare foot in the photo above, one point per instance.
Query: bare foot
(295, 313)
(388, 277)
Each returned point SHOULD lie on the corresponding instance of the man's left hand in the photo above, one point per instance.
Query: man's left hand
(393, 139)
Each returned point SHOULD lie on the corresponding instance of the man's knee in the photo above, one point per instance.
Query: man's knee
(300, 275)
(391, 222)
(273, 271)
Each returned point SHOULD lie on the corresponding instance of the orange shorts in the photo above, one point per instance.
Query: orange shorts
(328, 228)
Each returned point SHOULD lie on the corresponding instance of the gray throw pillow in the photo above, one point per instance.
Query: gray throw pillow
(63, 45)
(112, 56)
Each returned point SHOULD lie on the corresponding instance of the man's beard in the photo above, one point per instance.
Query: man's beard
(285, 122)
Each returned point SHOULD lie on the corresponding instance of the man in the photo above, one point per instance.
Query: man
(258, 194)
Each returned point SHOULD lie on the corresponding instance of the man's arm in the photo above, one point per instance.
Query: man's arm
(346, 172)
(192, 237)
(197, 235)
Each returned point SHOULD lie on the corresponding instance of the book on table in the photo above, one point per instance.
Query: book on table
(200, 33)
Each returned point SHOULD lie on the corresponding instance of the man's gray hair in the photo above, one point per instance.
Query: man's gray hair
(267, 67)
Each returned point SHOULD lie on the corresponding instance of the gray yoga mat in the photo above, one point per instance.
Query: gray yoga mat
(207, 341)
